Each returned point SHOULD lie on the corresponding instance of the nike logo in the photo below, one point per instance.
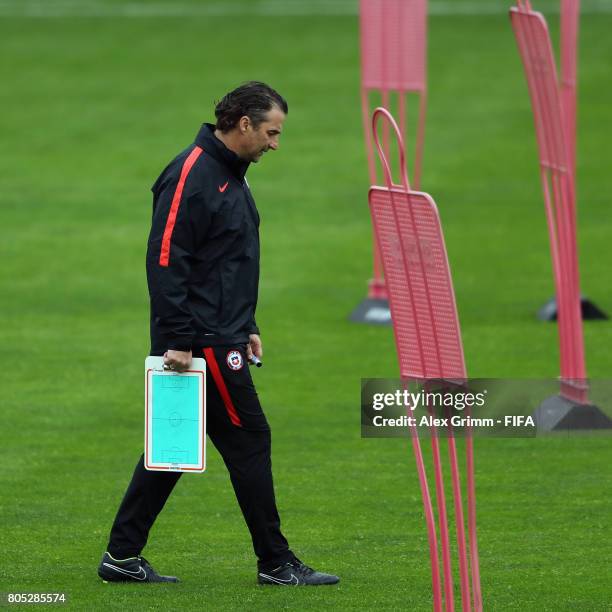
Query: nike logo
(141, 574)
(293, 580)
(222, 188)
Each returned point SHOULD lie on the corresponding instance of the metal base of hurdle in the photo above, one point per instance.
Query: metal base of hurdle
(590, 311)
(373, 311)
(557, 413)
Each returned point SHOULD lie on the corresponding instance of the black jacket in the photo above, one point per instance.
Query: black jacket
(203, 250)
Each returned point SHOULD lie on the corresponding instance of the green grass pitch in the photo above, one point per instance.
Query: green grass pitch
(92, 108)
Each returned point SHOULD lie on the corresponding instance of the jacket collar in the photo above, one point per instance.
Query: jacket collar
(213, 146)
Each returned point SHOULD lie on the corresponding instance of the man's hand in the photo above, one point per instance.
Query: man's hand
(179, 361)
(254, 347)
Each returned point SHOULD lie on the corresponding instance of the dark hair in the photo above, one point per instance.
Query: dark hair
(253, 99)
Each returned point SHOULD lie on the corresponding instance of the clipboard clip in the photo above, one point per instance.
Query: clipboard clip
(164, 369)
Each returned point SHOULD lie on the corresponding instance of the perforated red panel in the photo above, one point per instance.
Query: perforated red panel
(393, 36)
(570, 10)
(419, 284)
(536, 52)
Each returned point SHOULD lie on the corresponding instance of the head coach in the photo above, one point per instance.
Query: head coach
(203, 277)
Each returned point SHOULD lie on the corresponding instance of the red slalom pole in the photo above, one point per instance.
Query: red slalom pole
(460, 525)
(474, 560)
(428, 341)
(393, 41)
(449, 598)
(429, 520)
(553, 102)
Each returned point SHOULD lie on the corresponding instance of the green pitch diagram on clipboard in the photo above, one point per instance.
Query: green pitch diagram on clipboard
(175, 417)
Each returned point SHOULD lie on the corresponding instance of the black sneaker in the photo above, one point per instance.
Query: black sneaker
(134, 569)
(295, 573)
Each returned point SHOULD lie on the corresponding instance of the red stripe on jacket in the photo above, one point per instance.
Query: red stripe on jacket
(164, 255)
(218, 378)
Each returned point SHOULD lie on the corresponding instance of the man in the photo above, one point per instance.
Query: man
(203, 275)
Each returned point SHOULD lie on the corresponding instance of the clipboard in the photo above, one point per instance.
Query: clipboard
(175, 417)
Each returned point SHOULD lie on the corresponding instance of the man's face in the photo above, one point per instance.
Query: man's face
(259, 140)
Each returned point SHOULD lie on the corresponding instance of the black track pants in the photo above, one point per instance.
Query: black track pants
(238, 428)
